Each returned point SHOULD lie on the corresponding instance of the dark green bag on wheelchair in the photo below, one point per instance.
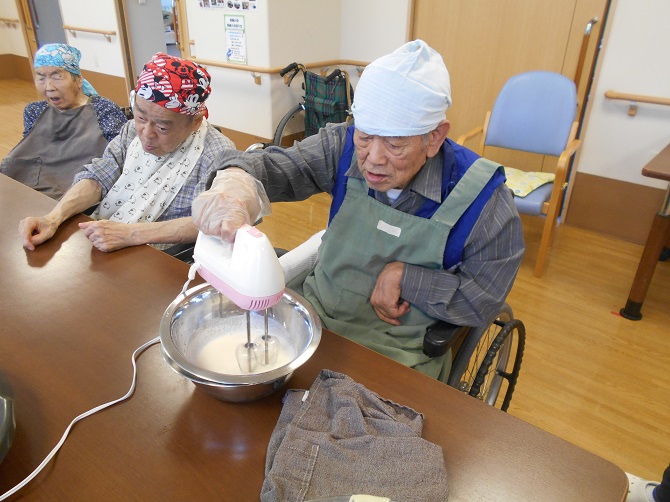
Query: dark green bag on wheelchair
(327, 99)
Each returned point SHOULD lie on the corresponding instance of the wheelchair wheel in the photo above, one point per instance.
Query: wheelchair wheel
(489, 357)
(279, 132)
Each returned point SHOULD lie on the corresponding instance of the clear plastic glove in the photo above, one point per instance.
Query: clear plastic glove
(234, 199)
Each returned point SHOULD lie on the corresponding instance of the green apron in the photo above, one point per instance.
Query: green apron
(363, 237)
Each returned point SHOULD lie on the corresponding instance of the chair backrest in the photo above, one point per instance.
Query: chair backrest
(327, 99)
(534, 112)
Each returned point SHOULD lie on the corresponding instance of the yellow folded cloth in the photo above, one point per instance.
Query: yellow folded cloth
(522, 182)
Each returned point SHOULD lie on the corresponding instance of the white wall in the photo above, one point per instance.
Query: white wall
(278, 33)
(236, 101)
(97, 54)
(304, 31)
(362, 39)
(206, 27)
(634, 60)
(11, 36)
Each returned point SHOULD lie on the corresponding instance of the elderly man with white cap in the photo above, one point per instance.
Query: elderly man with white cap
(421, 229)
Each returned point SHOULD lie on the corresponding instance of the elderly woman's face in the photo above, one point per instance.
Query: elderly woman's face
(60, 88)
(160, 130)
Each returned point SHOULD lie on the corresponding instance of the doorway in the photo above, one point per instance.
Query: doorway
(170, 26)
(47, 21)
(151, 26)
(43, 23)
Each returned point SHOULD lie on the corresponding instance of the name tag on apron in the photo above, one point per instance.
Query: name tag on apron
(389, 229)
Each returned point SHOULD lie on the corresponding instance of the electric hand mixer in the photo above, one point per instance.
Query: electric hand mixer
(249, 274)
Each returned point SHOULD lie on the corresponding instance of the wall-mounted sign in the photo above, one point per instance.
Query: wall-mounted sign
(236, 39)
(236, 5)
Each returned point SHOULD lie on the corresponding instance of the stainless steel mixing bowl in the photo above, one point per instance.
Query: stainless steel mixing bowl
(190, 312)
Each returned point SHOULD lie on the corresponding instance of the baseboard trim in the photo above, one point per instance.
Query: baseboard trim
(110, 86)
(15, 67)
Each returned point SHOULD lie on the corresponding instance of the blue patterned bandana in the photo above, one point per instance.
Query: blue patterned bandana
(63, 56)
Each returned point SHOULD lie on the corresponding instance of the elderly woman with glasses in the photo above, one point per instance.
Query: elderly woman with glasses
(146, 180)
(64, 131)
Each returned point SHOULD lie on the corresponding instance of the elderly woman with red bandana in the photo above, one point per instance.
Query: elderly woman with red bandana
(148, 176)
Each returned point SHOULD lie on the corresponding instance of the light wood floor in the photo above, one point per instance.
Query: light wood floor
(588, 375)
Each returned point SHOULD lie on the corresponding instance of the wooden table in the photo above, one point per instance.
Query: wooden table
(71, 318)
(659, 236)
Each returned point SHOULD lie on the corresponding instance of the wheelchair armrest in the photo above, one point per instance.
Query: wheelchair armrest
(299, 262)
(7, 419)
(442, 336)
(90, 210)
(183, 252)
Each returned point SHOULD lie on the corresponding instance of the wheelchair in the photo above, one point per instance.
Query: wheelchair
(327, 98)
(485, 360)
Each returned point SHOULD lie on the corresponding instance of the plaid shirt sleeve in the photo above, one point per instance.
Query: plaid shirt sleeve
(473, 292)
(295, 173)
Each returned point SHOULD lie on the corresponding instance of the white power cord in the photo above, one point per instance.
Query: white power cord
(191, 275)
(53, 452)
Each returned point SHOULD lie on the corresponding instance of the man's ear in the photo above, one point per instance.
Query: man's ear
(437, 137)
(197, 120)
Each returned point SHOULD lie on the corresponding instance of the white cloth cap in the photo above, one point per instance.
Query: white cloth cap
(405, 93)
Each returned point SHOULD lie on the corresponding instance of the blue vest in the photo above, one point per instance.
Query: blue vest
(457, 160)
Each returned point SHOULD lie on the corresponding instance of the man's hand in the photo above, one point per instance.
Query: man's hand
(35, 230)
(235, 198)
(385, 297)
(109, 235)
(220, 214)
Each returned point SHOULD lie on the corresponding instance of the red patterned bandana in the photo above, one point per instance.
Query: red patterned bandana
(174, 83)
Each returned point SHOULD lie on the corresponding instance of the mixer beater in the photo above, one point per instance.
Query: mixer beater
(248, 272)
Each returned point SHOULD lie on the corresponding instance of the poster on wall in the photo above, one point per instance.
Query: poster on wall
(236, 39)
(237, 5)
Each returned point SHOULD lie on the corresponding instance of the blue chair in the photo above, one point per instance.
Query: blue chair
(535, 112)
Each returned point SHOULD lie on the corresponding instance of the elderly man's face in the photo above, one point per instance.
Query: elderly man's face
(388, 162)
(60, 88)
(160, 130)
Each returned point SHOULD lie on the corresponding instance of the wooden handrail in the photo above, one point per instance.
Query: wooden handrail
(637, 97)
(108, 34)
(260, 69)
